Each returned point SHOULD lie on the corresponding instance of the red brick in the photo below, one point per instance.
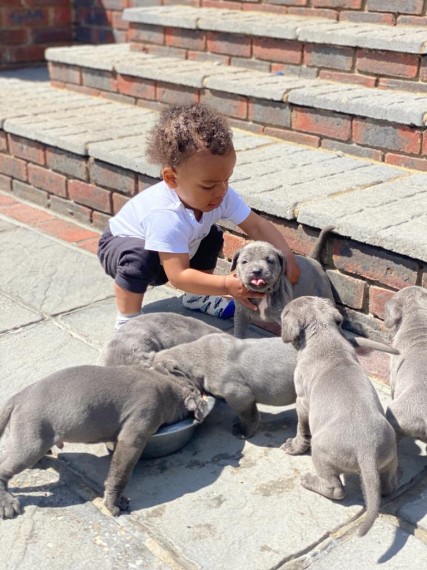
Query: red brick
(402, 85)
(387, 135)
(5, 183)
(375, 264)
(134, 87)
(378, 297)
(28, 214)
(188, 39)
(66, 231)
(347, 290)
(69, 209)
(314, 12)
(113, 177)
(406, 161)
(26, 149)
(66, 162)
(89, 244)
(49, 35)
(407, 7)
(147, 34)
(22, 18)
(387, 63)
(171, 94)
(424, 283)
(341, 77)
(60, 16)
(31, 194)
(322, 123)
(84, 90)
(15, 37)
(145, 182)
(270, 113)
(119, 201)
(231, 106)
(282, 51)
(100, 220)
(13, 167)
(424, 147)
(65, 73)
(229, 44)
(349, 4)
(376, 364)
(3, 141)
(412, 21)
(423, 68)
(232, 244)
(96, 79)
(6, 201)
(47, 180)
(90, 195)
(333, 57)
(368, 18)
(30, 53)
(292, 136)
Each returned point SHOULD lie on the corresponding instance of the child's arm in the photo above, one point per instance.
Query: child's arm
(258, 228)
(182, 276)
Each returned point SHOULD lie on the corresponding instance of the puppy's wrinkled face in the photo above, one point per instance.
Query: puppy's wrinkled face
(404, 303)
(259, 266)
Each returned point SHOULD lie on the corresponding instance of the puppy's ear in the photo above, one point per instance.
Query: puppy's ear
(291, 327)
(235, 259)
(196, 404)
(392, 313)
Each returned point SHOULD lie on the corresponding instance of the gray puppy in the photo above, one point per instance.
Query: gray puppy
(139, 339)
(406, 313)
(339, 412)
(261, 267)
(91, 404)
(243, 372)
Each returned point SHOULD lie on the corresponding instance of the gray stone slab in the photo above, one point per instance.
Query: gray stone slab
(389, 215)
(59, 530)
(414, 511)
(104, 57)
(4, 225)
(387, 546)
(409, 39)
(53, 278)
(13, 316)
(33, 352)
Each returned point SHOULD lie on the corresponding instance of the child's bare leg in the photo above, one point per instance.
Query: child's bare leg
(128, 305)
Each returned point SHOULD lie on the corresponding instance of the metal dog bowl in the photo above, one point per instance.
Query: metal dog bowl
(172, 437)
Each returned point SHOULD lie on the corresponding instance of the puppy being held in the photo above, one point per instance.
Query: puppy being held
(91, 404)
(406, 314)
(339, 413)
(261, 268)
(139, 339)
(242, 371)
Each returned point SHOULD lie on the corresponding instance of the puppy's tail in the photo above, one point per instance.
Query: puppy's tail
(371, 484)
(5, 413)
(315, 253)
(367, 343)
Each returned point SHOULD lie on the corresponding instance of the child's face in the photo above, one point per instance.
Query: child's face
(201, 181)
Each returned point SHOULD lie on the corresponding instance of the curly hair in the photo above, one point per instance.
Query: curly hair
(184, 130)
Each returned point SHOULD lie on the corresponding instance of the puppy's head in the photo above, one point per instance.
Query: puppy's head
(259, 266)
(402, 304)
(308, 313)
(195, 404)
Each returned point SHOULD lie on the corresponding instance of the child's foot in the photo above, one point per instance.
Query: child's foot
(122, 319)
(210, 304)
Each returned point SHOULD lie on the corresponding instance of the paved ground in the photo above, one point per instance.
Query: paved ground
(220, 502)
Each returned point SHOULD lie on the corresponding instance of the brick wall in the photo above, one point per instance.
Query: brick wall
(28, 27)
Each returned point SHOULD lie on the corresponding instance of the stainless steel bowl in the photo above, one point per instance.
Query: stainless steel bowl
(172, 437)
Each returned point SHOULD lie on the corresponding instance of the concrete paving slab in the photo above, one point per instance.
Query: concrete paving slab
(386, 546)
(52, 277)
(13, 316)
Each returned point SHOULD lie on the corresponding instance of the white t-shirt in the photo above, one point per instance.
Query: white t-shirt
(158, 217)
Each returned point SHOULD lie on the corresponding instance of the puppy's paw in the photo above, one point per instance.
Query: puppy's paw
(321, 486)
(9, 506)
(243, 431)
(294, 446)
(124, 503)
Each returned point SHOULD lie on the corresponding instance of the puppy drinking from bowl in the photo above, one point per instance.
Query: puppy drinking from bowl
(91, 404)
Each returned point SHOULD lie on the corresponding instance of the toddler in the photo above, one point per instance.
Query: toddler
(168, 232)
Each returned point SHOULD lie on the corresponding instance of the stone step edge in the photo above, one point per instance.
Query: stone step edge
(103, 141)
(399, 107)
(403, 39)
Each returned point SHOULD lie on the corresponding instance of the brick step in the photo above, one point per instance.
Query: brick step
(84, 157)
(389, 12)
(374, 55)
(378, 124)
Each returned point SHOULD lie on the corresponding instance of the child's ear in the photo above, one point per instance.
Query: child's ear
(169, 176)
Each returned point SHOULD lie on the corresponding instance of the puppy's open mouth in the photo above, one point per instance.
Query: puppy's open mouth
(258, 283)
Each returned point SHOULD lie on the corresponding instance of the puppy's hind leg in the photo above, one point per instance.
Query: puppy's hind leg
(20, 452)
(327, 481)
(125, 456)
(243, 403)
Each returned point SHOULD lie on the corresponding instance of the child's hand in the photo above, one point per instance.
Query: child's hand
(236, 289)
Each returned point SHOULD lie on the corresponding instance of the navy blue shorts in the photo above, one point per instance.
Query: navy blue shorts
(134, 268)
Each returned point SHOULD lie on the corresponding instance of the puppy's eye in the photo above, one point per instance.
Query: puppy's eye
(270, 260)
(243, 261)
